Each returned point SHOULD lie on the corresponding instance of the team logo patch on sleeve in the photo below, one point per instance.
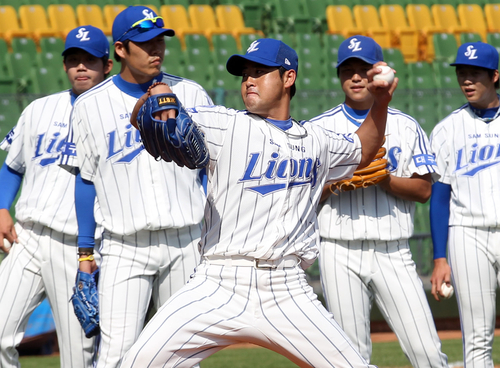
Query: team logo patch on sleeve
(424, 160)
(69, 149)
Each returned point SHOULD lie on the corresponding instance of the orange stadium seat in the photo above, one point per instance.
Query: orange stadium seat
(176, 18)
(419, 17)
(403, 36)
(472, 17)
(231, 19)
(366, 17)
(62, 17)
(9, 26)
(203, 18)
(492, 15)
(34, 20)
(445, 17)
(340, 21)
(92, 15)
(110, 12)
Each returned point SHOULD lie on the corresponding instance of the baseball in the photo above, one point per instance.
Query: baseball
(6, 243)
(447, 291)
(386, 74)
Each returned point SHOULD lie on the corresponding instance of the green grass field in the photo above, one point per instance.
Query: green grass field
(386, 354)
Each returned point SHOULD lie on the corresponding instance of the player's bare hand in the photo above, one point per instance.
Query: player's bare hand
(7, 230)
(88, 266)
(381, 90)
(440, 274)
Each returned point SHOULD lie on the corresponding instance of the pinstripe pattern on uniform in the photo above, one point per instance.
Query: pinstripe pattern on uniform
(47, 196)
(221, 306)
(252, 149)
(354, 274)
(130, 184)
(28, 276)
(372, 213)
(468, 154)
(474, 258)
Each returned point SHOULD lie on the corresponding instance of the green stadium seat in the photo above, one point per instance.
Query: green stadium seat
(310, 76)
(470, 37)
(10, 112)
(331, 43)
(316, 10)
(224, 46)
(173, 62)
(332, 98)
(445, 47)
(52, 44)
(64, 79)
(184, 3)
(15, 3)
(233, 100)
(375, 3)
(449, 100)
(349, 3)
(445, 75)
(287, 37)
(306, 104)
(494, 40)
(46, 81)
(424, 111)
(198, 60)
(247, 39)
(421, 75)
(23, 44)
(290, 16)
(423, 103)
(20, 63)
(73, 3)
(394, 58)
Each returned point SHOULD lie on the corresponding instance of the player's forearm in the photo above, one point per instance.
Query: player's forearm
(11, 182)
(417, 188)
(371, 132)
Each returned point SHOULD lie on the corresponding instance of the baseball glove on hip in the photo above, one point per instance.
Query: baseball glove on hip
(179, 140)
(86, 302)
(367, 176)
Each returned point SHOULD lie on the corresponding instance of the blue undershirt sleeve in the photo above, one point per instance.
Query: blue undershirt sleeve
(84, 204)
(204, 179)
(11, 182)
(440, 217)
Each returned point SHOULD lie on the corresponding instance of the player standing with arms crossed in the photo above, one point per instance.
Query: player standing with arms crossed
(466, 199)
(42, 261)
(151, 211)
(265, 176)
(365, 254)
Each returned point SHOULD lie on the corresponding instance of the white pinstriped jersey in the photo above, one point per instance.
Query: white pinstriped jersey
(467, 153)
(134, 191)
(34, 146)
(373, 213)
(275, 177)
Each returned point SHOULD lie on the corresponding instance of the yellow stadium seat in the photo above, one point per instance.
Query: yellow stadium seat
(231, 19)
(419, 17)
(110, 12)
(34, 20)
(9, 25)
(176, 18)
(366, 17)
(152, 7)
(403, 36)
(472, 17)
(203, 18)
(340, 21)
(492, 15)
(62, 17)
(445, 17)
(92, 15)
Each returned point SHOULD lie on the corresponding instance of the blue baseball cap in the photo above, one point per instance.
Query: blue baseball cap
(477, 54)
(265, 51)
(125, 25)
(360, 47)
(87, 38)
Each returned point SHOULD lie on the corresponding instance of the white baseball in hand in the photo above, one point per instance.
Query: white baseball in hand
(387, 74)
(447, 291)
(6, 243)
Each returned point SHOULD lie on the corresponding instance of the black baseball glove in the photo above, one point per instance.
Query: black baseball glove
(179, 140)
(86, 302)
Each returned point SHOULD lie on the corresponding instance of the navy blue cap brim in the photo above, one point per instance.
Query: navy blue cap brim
(471, 64)
(149, 34)
(235, 63)
(91, 51)
(365, 59)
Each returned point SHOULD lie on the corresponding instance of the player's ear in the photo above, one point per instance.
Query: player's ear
(108, 65)
(120, 49)
(289, 78)
(495, 76)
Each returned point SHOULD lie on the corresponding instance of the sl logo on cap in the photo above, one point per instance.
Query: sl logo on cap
(148, 14)
(253, 47)
(83, 35)
(354, 45)
(471, 52)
